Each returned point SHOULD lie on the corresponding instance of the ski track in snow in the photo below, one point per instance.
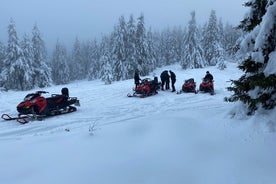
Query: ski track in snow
(109, 104)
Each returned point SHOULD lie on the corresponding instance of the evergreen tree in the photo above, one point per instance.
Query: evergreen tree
(2, 58)
(2, 54)
(105, 61)
(131, 63)
(93, 61)
(230, 41)
(256, 87)
(42, 73)
(221, 35)
(15, 72)
(87, 64)
(221, 61)
(28, 57)
(254, 15)
(144, 64)
(211, 44)
(157, 47)
(119, 50)
(76, 67)
(193, 53)
(60, 68)
(179, 42)
(151, 52)
(96, 66)
(107, 75)
(167, 47)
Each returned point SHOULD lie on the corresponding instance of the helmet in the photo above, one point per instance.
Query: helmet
(207, 72)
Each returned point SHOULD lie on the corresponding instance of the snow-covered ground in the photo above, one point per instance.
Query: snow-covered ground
(162, 139)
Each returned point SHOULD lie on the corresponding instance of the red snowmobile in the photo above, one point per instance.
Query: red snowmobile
(36, 107)
(189, 86)
(207, 86)
(147, 87)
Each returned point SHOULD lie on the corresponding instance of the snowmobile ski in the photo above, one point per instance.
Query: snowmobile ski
(181, 91)
(23, 119)
(141, 95)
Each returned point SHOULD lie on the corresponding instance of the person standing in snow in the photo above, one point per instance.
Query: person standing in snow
(136, 78)
(173, 79)
(165, 78)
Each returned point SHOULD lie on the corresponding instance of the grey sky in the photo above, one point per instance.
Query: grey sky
(88, 19)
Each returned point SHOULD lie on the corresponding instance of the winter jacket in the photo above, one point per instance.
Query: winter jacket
(136, 78)
(173, 77)
(208, 77)
(164, 75)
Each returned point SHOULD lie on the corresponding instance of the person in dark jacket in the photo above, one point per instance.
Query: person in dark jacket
(167, 82)
(165, 78)
(208, 76)
(136, 78)
(173, 79)
(156, 84)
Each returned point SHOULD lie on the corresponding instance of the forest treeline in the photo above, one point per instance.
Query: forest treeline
(26, 64)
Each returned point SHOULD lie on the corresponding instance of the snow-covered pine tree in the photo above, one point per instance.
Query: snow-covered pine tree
(60, 68)
(192, 53)
(87, 64)
(42, 73)
(221, 60)
(141, 46)
(253, 17)
(151, 51)
(131, 63)
(104, 48)
(28, 59)
(231, 37)
(210, 42)
(166, 48)
(178, 44)
(15, 71)
(256, 87)
(2, 54)
(221, 34)
(158, 48)
(75, 66)
(119, 50)
(94, 63)
(2, 58)
(107, 75)
(172, 43)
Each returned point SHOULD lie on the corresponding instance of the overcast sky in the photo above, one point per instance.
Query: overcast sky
(89, 19)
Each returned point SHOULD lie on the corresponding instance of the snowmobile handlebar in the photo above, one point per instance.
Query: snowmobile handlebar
(41, 92)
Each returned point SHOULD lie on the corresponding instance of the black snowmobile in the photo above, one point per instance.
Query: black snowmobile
(36, 107)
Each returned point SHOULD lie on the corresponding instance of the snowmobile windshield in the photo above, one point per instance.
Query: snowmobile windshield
(29, 96)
